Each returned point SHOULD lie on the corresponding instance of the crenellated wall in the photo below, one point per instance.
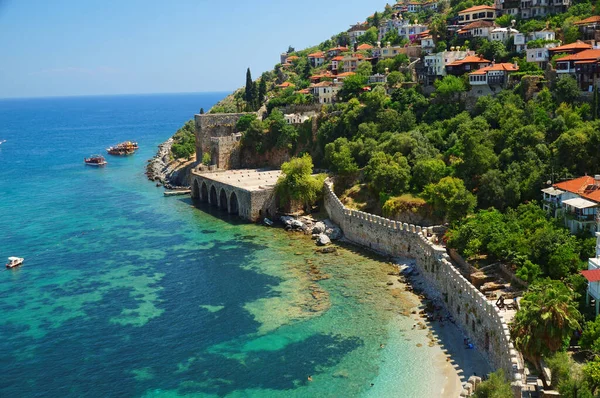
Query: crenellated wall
(479, 318)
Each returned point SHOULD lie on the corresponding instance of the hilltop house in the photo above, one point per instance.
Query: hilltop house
(476, 29)
(502, 34)
(364, 47)
(572, 48)
(351, 62)
(466, 65)
(387, 51)
(377, 78)
(357, 31)
(334, 52)
(593, 277)
(325, 92)
(540, 56)
(589, 27)
(477, 13)
(316, 59)
(584, 66)
(491, 78)
(335, 63)
(576, 200)
(410, 31)
(435, 64)
(526, 9)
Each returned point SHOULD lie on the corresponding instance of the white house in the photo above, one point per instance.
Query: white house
(576, 200)
(540, 56)
(325, 92)
(357, 31)
(435, 64)
(502, 34)
(410, 31)
(593, 277)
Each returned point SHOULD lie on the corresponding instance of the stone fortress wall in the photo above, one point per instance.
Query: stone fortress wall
(211, 125)
(225, 151)
(479, 318)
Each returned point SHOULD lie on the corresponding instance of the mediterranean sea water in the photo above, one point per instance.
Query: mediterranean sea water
(127, 293)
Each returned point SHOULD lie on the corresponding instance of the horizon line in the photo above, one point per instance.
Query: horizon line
(114, 95)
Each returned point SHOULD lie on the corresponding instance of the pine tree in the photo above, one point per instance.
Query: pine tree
(249, 88)
(376, 19)
(262, 89)
(306, 71)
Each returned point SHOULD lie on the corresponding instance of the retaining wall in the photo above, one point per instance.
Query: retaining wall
(479, 318)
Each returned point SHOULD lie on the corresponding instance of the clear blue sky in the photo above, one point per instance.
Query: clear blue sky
(88, 47)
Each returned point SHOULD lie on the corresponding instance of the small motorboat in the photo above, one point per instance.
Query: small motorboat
(123, 149)
(95, 160)
(14, 262)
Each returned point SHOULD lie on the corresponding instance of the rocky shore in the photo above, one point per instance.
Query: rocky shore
(172, 174)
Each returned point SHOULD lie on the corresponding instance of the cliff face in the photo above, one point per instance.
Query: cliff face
(170, 173)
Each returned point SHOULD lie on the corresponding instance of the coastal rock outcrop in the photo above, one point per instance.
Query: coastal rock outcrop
(319, 228)
(170, 173)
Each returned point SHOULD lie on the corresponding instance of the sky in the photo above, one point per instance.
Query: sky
(97, 47)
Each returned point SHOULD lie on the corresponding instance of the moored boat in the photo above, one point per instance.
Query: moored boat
(95, 160)
(123, 149)
(14, 262)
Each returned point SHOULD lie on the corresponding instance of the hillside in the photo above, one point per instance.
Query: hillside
(449, 109)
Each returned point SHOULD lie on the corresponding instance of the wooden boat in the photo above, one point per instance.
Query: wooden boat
(14, 262)
(123, 149)
(95, 160)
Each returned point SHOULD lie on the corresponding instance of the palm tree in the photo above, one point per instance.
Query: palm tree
(547, 318)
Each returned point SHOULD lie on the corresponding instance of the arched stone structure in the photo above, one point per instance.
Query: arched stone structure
(247, 193)
(223, 199)
(213, 199)
(234, 207)
(203, 192)
(196, 190)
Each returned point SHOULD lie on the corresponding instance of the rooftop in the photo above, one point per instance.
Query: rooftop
(578, 45)
(246, 179)
(590, 20)
(591, 275)
(506, 67)
(477, 8)
(583, 186)
(580, 56)
(468, 60)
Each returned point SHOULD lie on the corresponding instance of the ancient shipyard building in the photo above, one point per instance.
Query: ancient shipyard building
(248, 193)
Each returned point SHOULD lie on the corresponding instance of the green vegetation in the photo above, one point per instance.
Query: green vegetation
(184, 141)
(297, 185)
(546, 321)
(496, 386)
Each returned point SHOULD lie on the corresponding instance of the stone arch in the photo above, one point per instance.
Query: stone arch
(213, 199)
(223, 199)
(195, 190)
(204, 192)
(234, 204)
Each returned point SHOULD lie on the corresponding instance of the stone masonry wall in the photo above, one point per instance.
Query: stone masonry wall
(479, 318)
(211, 125)
(225, 151)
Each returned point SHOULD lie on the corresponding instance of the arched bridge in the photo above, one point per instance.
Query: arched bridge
(248, 193)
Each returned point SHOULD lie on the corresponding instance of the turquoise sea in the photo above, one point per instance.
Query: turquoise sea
(127, 293)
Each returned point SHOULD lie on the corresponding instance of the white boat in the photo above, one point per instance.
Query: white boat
(14, 262)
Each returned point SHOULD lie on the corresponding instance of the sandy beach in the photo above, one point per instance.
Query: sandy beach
(454, 363)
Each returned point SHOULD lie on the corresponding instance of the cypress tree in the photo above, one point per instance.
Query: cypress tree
(202, 111)
(376, 19)
(249, 88)
(262, 90)
(306, 72)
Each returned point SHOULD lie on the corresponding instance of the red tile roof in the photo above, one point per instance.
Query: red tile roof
(582, 186)
(285, 85)
(477, 8)
(581, 56)
(590, 20)
(592, 275)
(506, 67)
(316, 55)
(342, 49)
(578, 45)
(364, 46)
(338, 58)
(345, 74)
(469, 59)
(478, 24)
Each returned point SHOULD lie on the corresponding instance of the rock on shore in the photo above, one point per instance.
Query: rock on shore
(170, 173)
